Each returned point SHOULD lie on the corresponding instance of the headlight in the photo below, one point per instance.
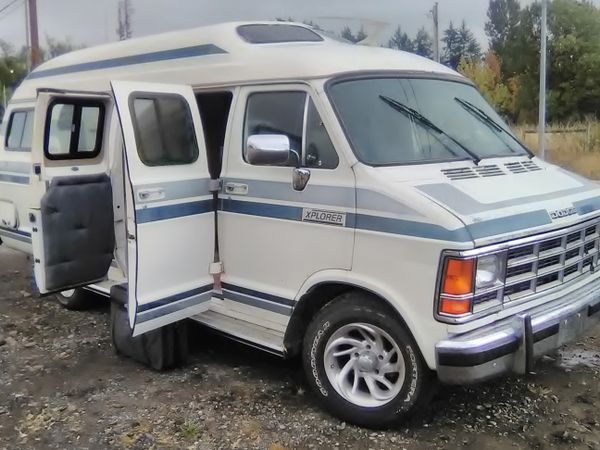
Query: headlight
(490, 271)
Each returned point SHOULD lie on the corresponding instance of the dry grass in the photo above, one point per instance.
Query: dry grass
(575, 146)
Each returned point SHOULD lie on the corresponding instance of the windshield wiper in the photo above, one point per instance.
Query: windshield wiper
(485, 118)
(416, 115)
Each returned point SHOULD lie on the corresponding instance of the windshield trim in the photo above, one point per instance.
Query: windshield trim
(377, 75)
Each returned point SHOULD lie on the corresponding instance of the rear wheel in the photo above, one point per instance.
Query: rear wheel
(75, 299)
(363, 364)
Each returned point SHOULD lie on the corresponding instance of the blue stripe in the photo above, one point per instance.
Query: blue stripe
(174, 307)
(19, 179)
(12, 234)
(587, 206)
(258, 294)
(509, 224)
(143, 58)
(173, 211)
(18, 235)
(478, 230)
(261, 209)
(258, 303)
(174, 298)
(409, 228)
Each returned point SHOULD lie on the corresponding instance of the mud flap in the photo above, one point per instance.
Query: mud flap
(161, 349)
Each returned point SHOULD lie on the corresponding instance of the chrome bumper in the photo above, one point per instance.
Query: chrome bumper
(513, 344)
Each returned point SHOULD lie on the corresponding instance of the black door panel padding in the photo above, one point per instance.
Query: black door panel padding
(78, 225)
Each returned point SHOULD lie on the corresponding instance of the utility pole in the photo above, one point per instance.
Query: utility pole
(436, 31)
(33, 32)
(27, 38)
(543, 66)
(124, 29)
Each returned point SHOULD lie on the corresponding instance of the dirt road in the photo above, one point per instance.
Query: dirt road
(61, 386)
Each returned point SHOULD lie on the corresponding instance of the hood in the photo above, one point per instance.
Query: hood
(503, 199)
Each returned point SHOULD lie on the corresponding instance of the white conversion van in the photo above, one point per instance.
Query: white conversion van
(361, 207)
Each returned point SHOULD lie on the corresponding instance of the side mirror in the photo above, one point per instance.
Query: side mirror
(268, 149)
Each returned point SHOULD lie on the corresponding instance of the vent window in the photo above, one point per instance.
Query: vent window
(276, 33)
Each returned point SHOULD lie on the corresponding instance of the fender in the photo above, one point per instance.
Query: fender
(425, 337)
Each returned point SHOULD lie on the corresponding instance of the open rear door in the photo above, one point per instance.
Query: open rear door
(71, 210)
(170, 228)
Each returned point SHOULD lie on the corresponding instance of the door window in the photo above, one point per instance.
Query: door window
(20, 129)
(74, 129)
(164, 130)
(294, 115)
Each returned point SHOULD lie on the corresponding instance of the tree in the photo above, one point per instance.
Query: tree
(487, 75)
(459, 43)
(502, 28)
(423, 44)
(350, 36)
(401, 41)
(574, 73)
(56, 47)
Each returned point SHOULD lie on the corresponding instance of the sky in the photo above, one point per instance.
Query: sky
(92, 22)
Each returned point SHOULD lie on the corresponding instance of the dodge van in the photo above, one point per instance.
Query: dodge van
(362, 208)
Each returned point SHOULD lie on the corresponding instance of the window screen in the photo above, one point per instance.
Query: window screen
(74, 129)
(284, 113)
(19, 132)
(164, 130)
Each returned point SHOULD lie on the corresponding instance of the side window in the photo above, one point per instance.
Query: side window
(74, 129)
(164, 130)
(294, 115)
(19, 131)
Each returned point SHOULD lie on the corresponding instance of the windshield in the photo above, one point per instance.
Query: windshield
(393, 121)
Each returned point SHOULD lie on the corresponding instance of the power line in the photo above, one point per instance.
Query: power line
(4, 8)
(8, 12)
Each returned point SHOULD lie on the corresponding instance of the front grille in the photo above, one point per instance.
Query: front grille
(539, 265)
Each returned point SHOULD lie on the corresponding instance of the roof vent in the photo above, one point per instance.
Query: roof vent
(465, 173)
(276, 33)
(522, 167)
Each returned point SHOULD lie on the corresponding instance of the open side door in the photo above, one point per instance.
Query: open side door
(71, 211)
(170, 226)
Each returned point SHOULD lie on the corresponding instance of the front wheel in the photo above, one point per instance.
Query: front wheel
(363, 364)
(75, 299)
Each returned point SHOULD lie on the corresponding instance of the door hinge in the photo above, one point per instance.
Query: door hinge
(215, 268)
(215, 185)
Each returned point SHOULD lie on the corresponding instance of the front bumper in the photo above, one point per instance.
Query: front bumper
(513, 344)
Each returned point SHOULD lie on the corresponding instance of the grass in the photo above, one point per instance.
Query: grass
(189, 430)
(574, 146)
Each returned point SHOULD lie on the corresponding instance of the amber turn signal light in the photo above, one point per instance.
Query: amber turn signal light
(458, 276)
(455, 307)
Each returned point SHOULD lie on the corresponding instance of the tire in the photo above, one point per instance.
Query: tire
(75, 299)
(383, 358)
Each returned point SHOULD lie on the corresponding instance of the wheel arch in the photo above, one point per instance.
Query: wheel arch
(320, 294)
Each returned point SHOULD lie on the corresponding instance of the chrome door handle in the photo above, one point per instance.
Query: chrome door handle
(146, 195)
(236, 188)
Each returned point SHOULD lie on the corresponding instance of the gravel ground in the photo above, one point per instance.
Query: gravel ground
(61, 386)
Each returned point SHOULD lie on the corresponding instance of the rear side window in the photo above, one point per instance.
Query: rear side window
(19, 131)
(74, 129)
(164, 130)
